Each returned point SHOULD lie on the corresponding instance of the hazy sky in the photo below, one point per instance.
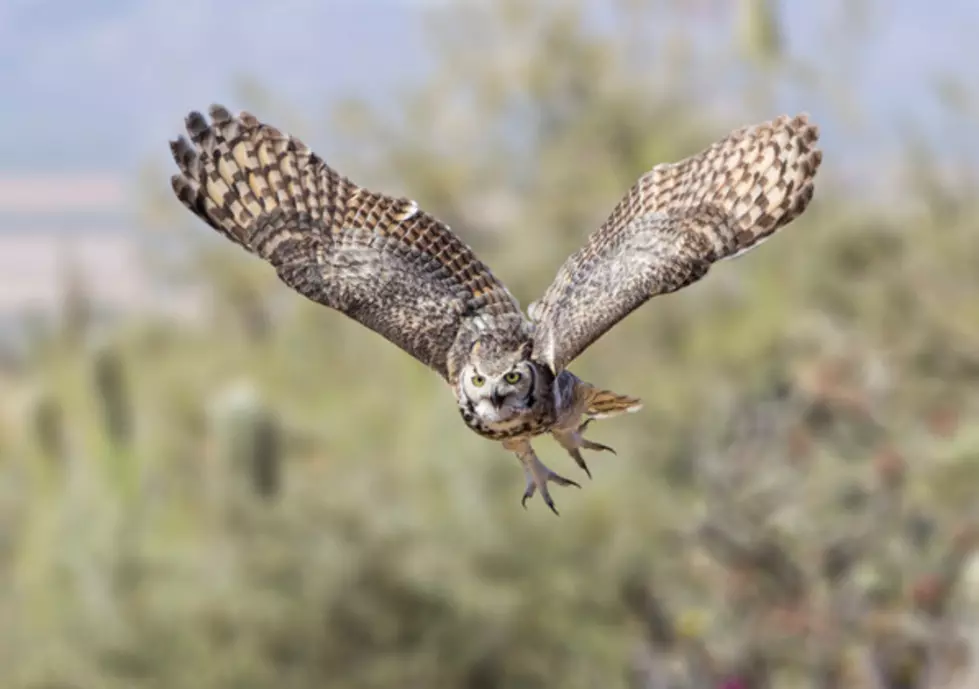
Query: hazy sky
(104, 83)
(99, 86)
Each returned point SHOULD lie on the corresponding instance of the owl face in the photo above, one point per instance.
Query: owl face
(499, 393)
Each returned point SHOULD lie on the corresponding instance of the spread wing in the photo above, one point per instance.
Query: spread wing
(672, 225)
(380, 260)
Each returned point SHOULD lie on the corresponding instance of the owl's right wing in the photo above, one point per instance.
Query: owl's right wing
(675, 222)
(380, 260)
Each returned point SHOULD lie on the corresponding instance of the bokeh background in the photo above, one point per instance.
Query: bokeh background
(208, 482)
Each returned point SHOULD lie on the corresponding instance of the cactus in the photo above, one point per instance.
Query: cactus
(76, 304)
(265, 456)
(48, 421)
(113, 392)
(760, 37)
(249, 440)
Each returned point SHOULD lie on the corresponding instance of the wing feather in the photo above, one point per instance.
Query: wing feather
(675, 222)
(378, 259)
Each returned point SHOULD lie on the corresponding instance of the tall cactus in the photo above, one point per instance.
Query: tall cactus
(48, 425)
(112, 388)
(76, 304)
(248, 440)
(759, 33)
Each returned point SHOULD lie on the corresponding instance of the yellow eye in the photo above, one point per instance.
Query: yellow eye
(512, 377)
(478, 381)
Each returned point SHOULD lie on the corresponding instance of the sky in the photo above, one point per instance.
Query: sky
(97, 82)
(92, 91)
(103, 84)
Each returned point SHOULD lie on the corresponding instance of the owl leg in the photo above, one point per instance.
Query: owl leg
(537, 474)
(573, 442)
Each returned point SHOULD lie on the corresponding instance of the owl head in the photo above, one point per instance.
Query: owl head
(500, 383)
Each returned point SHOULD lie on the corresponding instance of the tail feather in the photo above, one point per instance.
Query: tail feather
(605, 403)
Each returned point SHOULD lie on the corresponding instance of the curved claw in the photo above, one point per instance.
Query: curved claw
(562, 481)
(573, 443)
(579, 460)
(589, 445)
(550, 503)
(529, 489)
(537, 476)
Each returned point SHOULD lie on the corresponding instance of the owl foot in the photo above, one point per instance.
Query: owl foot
(573, 443)
(538, 475)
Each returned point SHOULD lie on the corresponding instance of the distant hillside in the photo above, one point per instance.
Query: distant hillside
(55, 203)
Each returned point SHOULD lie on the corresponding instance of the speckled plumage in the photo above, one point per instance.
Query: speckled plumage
(402, 273)
(674, 222)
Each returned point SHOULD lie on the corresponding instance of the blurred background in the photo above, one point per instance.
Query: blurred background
(207, 481)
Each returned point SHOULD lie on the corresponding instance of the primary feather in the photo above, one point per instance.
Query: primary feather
(674, 222)
(378, 259)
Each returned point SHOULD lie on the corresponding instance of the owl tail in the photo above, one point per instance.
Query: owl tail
(605, 403)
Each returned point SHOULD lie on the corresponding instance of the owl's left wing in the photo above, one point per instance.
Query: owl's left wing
(675, 222)
(378, 259)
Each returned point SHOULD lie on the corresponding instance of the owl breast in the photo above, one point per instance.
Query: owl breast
(535, 421)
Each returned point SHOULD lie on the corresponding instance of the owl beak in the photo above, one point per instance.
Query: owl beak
(497, 399)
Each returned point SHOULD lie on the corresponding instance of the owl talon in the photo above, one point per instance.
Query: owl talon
(530, 488)
(528, 494)
(537, 476)
(550, 503)
(590, 445)
(573, 443)
(579, 460)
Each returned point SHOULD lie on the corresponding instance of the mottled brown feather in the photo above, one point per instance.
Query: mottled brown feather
(674, 222)
(378, 259)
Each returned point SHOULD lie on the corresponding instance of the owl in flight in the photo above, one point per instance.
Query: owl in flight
(398, 270)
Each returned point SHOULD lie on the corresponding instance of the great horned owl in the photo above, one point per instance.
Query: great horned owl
(399, 271)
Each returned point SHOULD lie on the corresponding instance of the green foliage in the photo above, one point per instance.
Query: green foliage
(760, 34)
(276, 497)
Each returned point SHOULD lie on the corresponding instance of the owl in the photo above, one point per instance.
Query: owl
(401, 272)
